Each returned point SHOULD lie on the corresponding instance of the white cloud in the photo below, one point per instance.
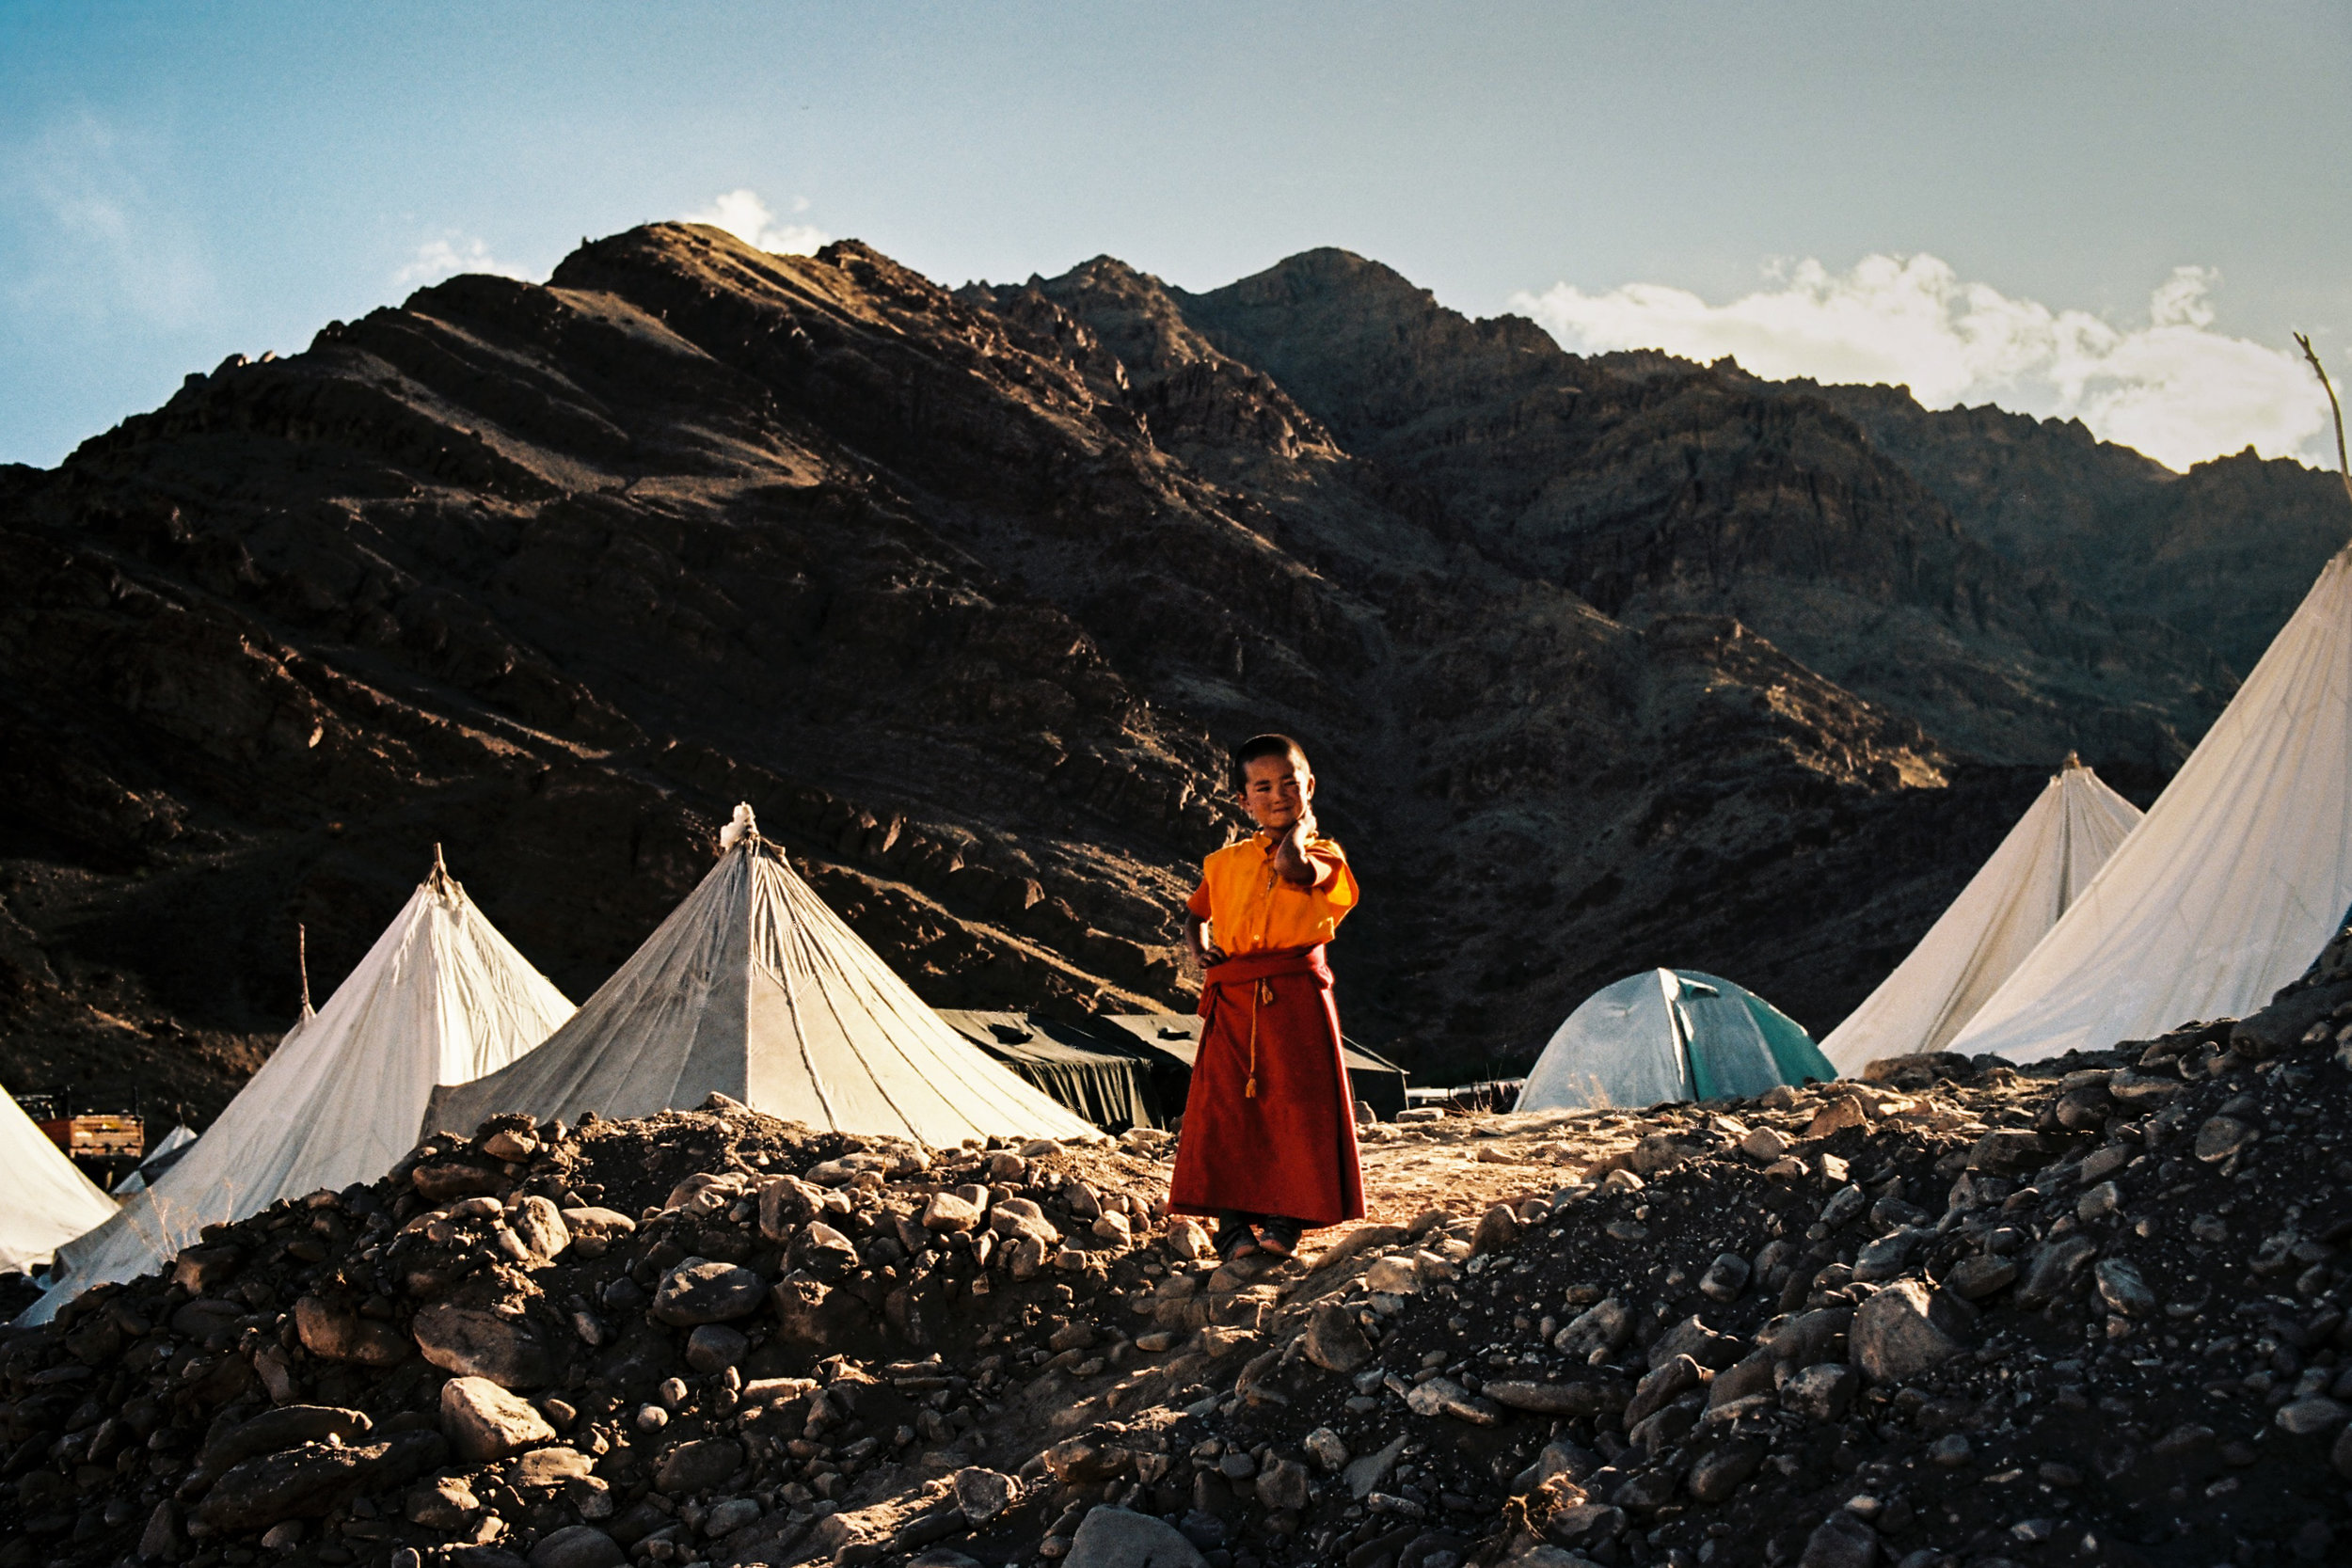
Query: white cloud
(2172, 387)
(452, 253)
(743, 215)
(90, 226)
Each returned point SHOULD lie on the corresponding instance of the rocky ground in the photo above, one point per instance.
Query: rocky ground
(1962, 1314)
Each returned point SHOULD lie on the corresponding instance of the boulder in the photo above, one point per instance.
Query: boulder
(483, 1421)
(2122, 1286)
(337, 1332)
(1905, 1329)
(551, 1467)
(1840, 1541)
(785, 1203)
(1725, 1278)
(1721, 1468)
(824, 1253)
(949, 1213)
(2222, 1137)
(1335, 1342)
(983, 1494)
(1821, 1392)
(313, 1480)
(287, 1427)
(1584, 1400)
(701, 1292)
(1694, 1339)
(699, 1465)
(538, 1225)
(578, 1546)
(715, 1347)
(1595, 1331)
(479, 1342)
(1661, 1387)
(1282, 1484)
(1116, 1538)
(2053, 1267)
(1974, 1279)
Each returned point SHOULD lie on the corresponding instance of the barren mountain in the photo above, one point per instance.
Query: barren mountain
(1603, 663)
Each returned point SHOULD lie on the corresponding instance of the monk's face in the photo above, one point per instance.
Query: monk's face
(1276, 791)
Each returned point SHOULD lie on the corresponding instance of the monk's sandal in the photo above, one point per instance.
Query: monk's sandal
(1280, 1237)
(1235, 1239)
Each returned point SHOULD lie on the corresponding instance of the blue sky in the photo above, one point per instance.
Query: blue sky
(2117, 211)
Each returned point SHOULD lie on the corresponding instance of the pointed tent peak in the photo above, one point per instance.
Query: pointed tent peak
(439, 882)
(2074, 760)
(743, 828)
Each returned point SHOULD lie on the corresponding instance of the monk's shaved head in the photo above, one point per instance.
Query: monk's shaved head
(1267, 745)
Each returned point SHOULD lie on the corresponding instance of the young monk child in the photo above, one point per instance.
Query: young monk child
(1269, 1136)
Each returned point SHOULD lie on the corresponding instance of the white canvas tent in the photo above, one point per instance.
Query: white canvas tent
(2238, 876)
(158, 1159)
(754, 989)
(441, 996)
(2019, 892)
(1668, 1034)
(46, 1200)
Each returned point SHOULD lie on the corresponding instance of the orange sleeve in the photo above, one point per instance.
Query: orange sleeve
(1198, 902)
(1341, 893)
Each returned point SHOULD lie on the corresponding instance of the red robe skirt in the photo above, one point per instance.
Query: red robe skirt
(1290, 1148)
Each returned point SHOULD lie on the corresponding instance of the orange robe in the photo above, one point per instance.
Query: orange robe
(1269, 1123)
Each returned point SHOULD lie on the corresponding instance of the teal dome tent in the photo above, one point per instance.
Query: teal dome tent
(1670, 1034)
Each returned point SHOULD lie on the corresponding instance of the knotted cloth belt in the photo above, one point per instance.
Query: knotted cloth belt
(1258, 972)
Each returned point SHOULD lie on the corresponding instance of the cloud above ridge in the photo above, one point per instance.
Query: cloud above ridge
(448, 254)
(743, 215)
(2171, 388)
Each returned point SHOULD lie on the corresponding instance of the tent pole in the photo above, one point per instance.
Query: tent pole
(302, 961)
(2344, 469)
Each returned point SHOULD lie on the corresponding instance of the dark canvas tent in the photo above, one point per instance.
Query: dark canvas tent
(1670, 1034)
(1108, 1085)
(1176, 1038)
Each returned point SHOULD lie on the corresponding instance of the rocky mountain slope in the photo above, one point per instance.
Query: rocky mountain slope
(1603, 663)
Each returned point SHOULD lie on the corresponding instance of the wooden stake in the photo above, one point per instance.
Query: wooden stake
(2344, 469)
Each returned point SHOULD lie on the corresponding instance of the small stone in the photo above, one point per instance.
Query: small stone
(1821, 1392)
(1327, 1449)
(651, 1418)
(2222, 1137)
(1885, 1257)
(1283, 1484)
(1725, 1278)
(2122, 1286)
(2311, 1415)
(1764, 1146)
(1394, 1276)
(1188, 1240)
(983, 1494)
(282, 1537)
(1158, 1340)
(551, 1467)
(1839, 1114)
(715, 1347)
(1974, 1279)
(1112, 1227)
(445, 1504)
(2098, 1202)
(949, 1213)
(337, 1332)
(1905, 1329)
(1498, 1228)
(161, 1538)
(1599, 1330)
(1950, 1451)
(539, 1226)
(483, 1421)
(727, 1517)
(1843, 1205)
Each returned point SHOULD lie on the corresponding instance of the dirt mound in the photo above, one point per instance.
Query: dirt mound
(2093, 1312)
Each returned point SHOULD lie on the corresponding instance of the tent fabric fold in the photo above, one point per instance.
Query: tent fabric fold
(2040, 868)
(1669, 1035)
(2235, 880)
(46, 1200)
(1110, 1088)
(754, 989)
(441, 996)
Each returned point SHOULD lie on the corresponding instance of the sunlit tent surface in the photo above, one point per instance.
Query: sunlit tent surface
(1669, 1033)
(46, 1200)
(2020, 892)
(2233, 882)
(754, 989)
(441, 996)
